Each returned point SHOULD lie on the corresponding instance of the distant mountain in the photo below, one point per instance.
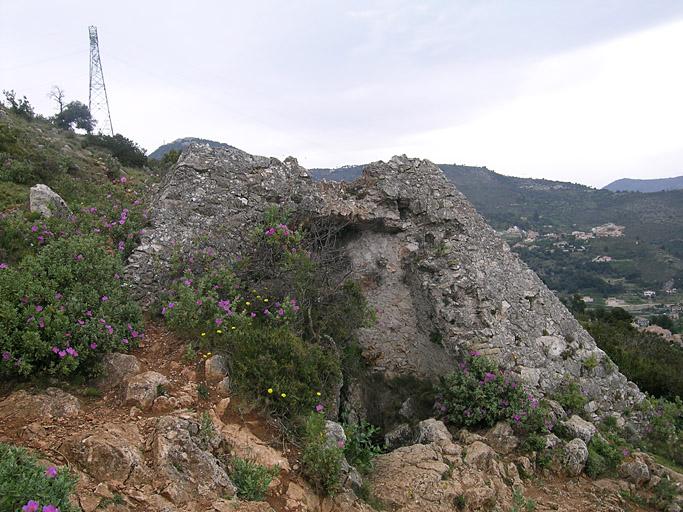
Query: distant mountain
(656, 185)
(181, 144)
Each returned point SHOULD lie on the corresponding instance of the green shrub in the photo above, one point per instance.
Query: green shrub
(63, 308)
(123, 149)
(602, 457)
(289, 375)
(252, 479)
(321, 461)
(522, 504)
(570, 397)
(360, 447)
(479, 393)
(664, 433)
(22, 480)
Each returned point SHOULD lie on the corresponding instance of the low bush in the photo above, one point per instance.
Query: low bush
(360, 448)
(320, 460)
(25, 483)
(603, 457)
(123, 149)
(479, 393)
(252, 479)
(570, 397)
(63, 308)
(664, 433)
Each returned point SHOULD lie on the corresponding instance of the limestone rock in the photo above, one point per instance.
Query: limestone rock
(501, 438)
(574, 457)
(118, 369)
(26, 408)
(246, 445)
(480, 455)
(635, 471)
(428, 263)
(335, 434)
(215, 368)
(578, 427)
(400, 435)
(108, 453)
(433, 431)
(44, 200)
(143, 388)
(189, 469)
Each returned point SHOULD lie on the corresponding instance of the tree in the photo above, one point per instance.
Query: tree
(21, 106)
(124, 150)
(57, 94)
(75, 114)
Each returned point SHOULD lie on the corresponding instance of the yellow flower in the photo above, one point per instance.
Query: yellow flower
(203, 334)
(248, 303)
(284, 395)
(233, 327)
(219, 331)
(317, 393)
(270, 391)
(208, 353)
(258, 296)
(265, 300)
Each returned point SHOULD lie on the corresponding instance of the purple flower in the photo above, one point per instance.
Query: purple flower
(50, 508)
(319, 408)
(199, 302)
(3, 266)
(626, 452)
(341, 443)
(121, 246)
(475, 353)
(31, 506)
(51, 472)
(218, 321)
(39, 309)
(124, 341)
(78, 257)
(55, 350)
(123, 179)
(266, 312)
(62, 354)
(517, 418)
(253, 315)
(93, 345)
(171, 305)
(187, 282)
(88, 313)
(58, 296)
(41, 322)
(489, 376)
(104, 298)
(6, 356)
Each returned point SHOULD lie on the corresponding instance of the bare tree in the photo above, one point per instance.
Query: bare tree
(57, 94)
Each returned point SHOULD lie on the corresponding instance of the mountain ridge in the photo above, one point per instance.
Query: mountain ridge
(646, 185)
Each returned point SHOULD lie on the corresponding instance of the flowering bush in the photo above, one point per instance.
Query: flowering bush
(665, 429)
(63, 308)
(29, 487)
(479, 393)
(360, 448)
(287, 374)
(320, 460)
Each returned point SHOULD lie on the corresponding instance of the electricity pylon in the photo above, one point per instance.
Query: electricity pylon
(97, 98)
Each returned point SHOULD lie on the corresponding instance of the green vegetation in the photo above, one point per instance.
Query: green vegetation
(521, 503)
(320, 460)
(603, 457)
(360, 447)
(24, 482)
(570, 397)
(123, 149)
(252, 479)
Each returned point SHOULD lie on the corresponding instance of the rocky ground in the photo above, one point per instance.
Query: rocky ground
(141, 443)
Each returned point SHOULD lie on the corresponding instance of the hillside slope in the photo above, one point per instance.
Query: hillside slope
(654, 185)
(182, 143)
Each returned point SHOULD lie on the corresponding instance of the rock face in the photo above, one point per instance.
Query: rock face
(24, 407)
(47, 202)
(440, 278)
(144, 388)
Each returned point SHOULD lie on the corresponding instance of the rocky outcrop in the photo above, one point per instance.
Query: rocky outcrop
(143, 388)
(44, 200)
(440, 279)
(23, 408)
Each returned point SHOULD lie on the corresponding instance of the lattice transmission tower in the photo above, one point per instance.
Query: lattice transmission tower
(98, 103)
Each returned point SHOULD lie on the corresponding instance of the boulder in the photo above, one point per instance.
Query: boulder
(44, 200)
(117, 369)
(111, 452)
(501, 438)
(25, 408)
(635, 471)
(190, 471)
(578, 427)
(574, 457)
(401, 435)
(143, 388)
(215, 368)
(335, 434)
(480, 455)
(433, 431)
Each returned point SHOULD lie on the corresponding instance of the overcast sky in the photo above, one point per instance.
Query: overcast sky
(583, 91)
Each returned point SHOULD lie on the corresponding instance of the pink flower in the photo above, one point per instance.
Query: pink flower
(51, 472)
(78, 257)
(104, 298)
(124, 341)
(219, 321)
(199, 302)
(88, 313)
(31, 506)
(93, 345)
(281, 312)
(253, 315)
(62, 354)
(50, 508)
(123, 179)
(3, 266)
(55, 350)
(39, 309)
(341, 443)
(58, 296)
(319, 408)
(34, 228)
(6, 356)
